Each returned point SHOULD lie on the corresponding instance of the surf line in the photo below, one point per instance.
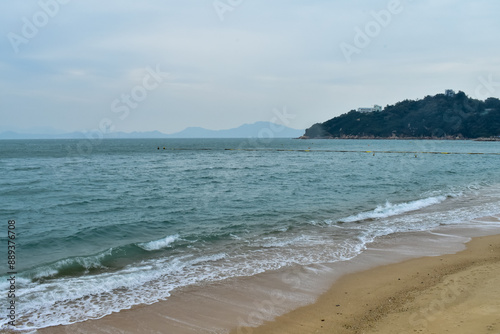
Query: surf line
(323, 151)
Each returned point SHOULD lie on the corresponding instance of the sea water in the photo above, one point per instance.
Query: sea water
(105, 225)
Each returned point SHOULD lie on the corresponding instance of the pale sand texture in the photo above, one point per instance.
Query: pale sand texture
(458, 293)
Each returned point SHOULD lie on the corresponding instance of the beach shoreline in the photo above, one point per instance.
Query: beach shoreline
(299, 300)
(456, 293)
(448, 138)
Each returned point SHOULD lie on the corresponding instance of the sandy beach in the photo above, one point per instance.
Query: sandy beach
(455, 293)
(458, 293)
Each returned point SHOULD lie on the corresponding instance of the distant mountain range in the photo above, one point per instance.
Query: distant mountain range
(255, 130)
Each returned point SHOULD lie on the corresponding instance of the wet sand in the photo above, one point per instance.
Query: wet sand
(386, 289)
(458, 293)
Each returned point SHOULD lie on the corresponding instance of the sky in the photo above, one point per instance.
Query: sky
(82, 65)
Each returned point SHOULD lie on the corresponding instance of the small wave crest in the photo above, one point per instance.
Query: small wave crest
(159, 244)
(109, 260)
(273, 242)
(389, 209)
(75, 266)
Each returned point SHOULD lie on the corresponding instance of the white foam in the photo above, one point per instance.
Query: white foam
(209, 258)
(271, 242)
(389, 209)
(73, 299)
(159, 244)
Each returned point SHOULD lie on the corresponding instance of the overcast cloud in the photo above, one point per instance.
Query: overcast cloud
(76, 65)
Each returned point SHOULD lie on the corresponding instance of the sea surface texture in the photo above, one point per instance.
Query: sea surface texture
(104, 225)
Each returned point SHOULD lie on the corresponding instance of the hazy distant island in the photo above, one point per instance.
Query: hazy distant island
(443, 116)
(256, 130)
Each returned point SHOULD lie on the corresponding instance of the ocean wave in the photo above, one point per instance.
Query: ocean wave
(323, 223)
(273, 242)
(209, 258)
(160, 243)
(74, 266)
(26, 168)
(68, 300)
(389, 209)
(110, 260)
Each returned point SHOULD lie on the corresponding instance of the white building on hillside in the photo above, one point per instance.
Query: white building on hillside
(366, 110)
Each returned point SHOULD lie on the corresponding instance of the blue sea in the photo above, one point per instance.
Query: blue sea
(105, 225)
